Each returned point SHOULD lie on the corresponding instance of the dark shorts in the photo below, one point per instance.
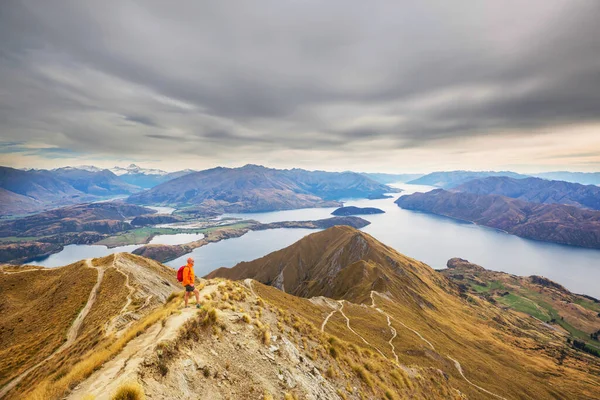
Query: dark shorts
(189, 288)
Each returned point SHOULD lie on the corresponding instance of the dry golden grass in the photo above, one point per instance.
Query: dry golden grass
(268, 396)
(266, 337)
(129, 391)
(111, 297)
(38, 308)
(50, 389)
(466, 331)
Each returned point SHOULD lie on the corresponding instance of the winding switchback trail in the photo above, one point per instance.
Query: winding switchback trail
(460, 370)
(389, 321)
(456, 363)
(74, 330)
(113, 322)
(327, 319)
(71, 333)
(402, 323)
(341, 310)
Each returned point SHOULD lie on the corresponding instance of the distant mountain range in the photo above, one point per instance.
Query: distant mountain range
(450, 179)
(135, 169)
(555, 223)
(585, 178)
(536, 190)
(254, 188)
(101, 183)
(391, 178)
(29, 191)
(146, 178)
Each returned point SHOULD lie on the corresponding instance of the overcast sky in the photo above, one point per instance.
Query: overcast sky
(390, 86)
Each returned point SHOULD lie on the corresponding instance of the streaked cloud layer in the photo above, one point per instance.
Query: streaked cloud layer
(389, 86)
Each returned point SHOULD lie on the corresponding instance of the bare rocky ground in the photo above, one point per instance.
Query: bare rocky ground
(230, 359)
(236, 347)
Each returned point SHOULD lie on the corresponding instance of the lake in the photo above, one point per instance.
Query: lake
(76, 252)
(426, 237)
(435, 239)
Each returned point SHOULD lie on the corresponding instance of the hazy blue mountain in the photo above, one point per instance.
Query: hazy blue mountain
(391, 178)
(536, 190)
(585, 178)
(450, 179)
(146, 178)
(35, 190)
(99, 183)
(256, 188)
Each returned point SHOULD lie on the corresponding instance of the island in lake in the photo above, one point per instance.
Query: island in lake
(352, 210)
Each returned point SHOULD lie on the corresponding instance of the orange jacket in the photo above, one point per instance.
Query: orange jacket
(188, 276)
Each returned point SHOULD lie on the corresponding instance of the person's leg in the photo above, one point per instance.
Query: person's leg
(197, 293)
(185, 297)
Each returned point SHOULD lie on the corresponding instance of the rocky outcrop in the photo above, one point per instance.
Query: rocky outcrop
(460, 263)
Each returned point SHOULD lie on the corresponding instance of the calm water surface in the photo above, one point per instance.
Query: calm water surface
(178, 238)
(251, 246)
(162, 210)
(426, 237)
(434, 240)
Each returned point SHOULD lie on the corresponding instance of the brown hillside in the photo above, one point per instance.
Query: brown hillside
(52, 316)
(341, 262)
(405, 311)
(37, 309)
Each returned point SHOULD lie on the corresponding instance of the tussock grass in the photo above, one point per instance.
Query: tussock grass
(364, 375)
(266, 337)
(94, 359)
(129, 391)
(268, 396)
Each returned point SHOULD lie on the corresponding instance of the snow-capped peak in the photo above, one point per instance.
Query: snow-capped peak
(89, 168)
(135, 169)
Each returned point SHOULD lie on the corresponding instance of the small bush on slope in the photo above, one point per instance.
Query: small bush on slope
(129, 391)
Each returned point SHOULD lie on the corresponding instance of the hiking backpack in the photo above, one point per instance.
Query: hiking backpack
(180, 274)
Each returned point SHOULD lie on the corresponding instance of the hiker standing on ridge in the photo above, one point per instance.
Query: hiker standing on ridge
(188, 282)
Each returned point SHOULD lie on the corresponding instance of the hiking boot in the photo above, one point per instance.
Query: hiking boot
(198, 305)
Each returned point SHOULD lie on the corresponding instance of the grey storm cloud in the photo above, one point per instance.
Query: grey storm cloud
(150, 77)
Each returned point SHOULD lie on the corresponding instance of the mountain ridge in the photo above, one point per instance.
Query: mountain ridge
(254, 188)
(555, 223)
(536, 190)
(450, 179)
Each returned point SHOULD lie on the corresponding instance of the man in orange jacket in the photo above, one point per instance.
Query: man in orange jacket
(188, 282)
